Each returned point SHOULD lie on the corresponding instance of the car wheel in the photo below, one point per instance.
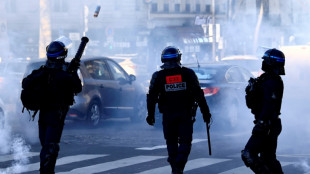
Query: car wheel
(93, 113)
(139, 114)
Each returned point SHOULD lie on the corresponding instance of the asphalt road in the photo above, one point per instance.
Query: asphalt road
(119, 147)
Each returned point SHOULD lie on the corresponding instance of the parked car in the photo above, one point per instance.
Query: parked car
(108, 91)
(223, 86)
(250, 62)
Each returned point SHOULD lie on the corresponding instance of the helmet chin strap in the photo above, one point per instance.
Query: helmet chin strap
(58, 64)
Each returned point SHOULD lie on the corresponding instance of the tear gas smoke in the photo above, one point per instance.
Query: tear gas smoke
(18, 150)
(303, 165)
(295, 136)
(5, 137)
(16, 146)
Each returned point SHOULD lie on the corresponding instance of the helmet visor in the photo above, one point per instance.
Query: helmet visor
(66, 41)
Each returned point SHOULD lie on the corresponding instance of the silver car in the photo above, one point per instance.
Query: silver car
(107, 92)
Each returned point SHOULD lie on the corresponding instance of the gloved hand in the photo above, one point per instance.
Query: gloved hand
(261, 128)
(150, 119)
(74, 65)
(206, 117)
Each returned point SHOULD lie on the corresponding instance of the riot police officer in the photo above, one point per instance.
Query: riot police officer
(175, 89)
(260, 151)
(60, 90)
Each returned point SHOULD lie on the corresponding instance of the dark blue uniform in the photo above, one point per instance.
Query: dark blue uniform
(61, 88)
(260, 151)
(176, 88)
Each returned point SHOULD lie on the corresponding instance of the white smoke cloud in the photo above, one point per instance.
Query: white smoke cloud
(16, 146)
(18, 150)
(303, 165)
(4, 139)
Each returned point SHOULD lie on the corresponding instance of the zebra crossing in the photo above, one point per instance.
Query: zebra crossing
(192, 164)
(105, 167)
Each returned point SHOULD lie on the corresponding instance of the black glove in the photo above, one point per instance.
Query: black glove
(261, 128)
(150, 119)
(206, 117)
(74, 65)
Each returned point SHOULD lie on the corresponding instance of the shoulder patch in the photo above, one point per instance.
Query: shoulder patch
(174, 79)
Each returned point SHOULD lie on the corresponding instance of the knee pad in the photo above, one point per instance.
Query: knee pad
(255, 164)
(247, 158)
(53, 149)
(274, 166)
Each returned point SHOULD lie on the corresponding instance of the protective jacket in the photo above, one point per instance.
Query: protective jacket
(260, 151)
(175, 88)
(269, 105)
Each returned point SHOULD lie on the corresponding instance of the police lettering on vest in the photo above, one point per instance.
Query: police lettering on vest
(174, 83)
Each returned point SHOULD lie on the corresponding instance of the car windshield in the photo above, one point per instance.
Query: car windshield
(206, 73)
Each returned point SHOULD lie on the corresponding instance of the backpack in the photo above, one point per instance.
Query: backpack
(253, 93)
(32, 97)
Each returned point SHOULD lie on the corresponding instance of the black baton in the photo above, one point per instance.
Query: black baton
(209, 140)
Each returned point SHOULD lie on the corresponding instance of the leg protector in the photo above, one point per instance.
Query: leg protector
(172, 155)
(275, 166)
(246, 158)
(183, 153)
(255, 164)
(48, 157)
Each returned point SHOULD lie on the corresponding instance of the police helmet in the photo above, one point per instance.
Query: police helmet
(171, 53)
(56, 50)
(274, 60)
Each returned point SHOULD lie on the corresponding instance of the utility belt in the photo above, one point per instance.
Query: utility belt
(267, 122)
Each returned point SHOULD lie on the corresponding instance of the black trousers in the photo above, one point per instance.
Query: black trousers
(51, 125)
(178, 132)
(263, 148)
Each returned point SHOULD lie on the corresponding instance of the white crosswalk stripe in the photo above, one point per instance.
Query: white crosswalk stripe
(164, 146)
(113, 165)
(245, 169)
(5, 158)
(91, 168)
(60, 161)
(192, 164)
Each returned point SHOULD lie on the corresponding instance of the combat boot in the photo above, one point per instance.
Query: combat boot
(177, 171)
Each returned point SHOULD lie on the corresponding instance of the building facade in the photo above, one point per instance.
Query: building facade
(147, 26)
